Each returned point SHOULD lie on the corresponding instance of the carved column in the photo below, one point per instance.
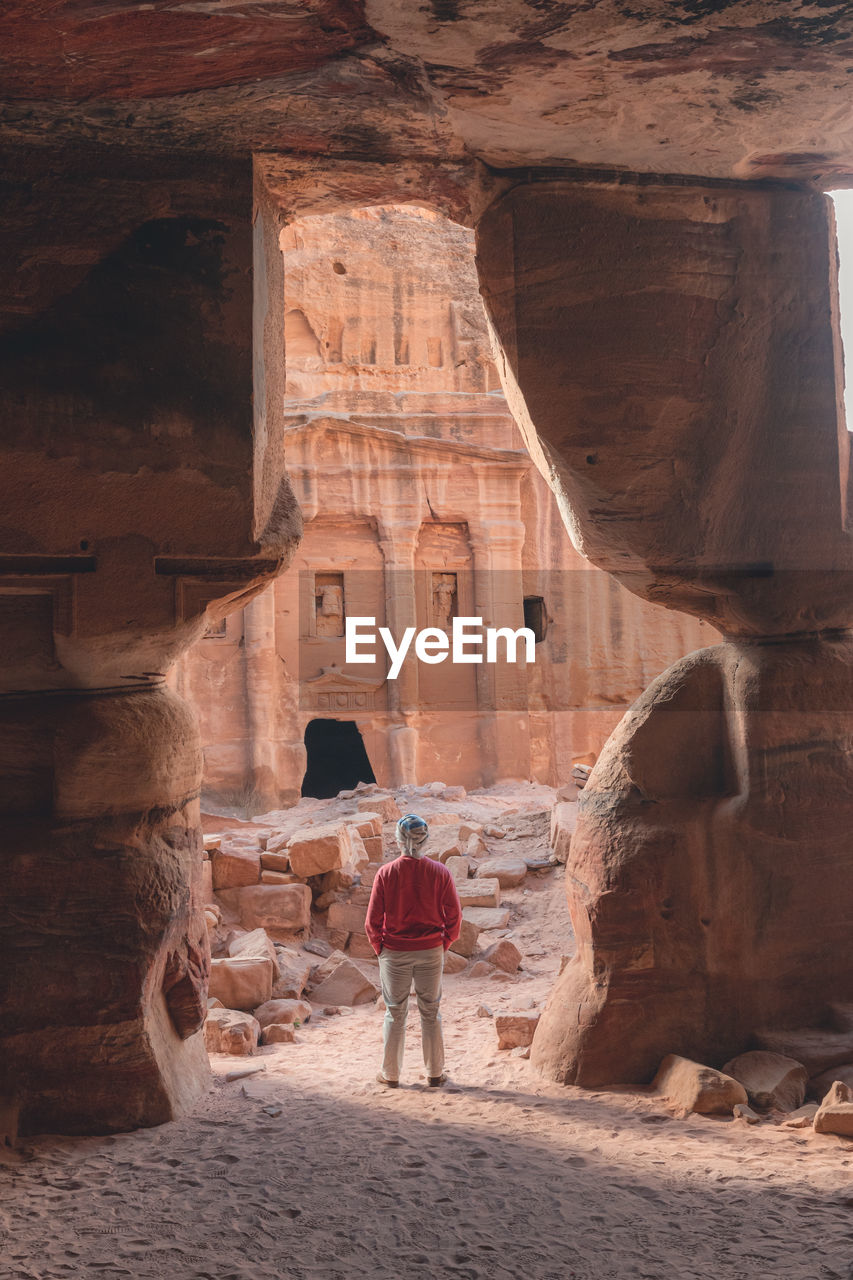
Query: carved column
(398, 542)
(671, 354)
(140, 504)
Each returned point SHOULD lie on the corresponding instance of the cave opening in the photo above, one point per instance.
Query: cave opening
(337, 758)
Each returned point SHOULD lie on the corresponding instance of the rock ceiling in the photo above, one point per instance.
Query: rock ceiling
(724, 88)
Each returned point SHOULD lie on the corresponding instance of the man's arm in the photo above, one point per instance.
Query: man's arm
(452, 911)
(374, 924)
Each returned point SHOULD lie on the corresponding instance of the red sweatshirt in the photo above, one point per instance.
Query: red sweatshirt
(413, 906)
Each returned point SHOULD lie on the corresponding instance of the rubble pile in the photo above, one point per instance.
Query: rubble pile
(287, 896)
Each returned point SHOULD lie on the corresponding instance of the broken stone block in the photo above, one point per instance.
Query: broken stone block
(466, 943)
(741, 1111)
(281, 909)
(359, 856)
(293, 970)
(338, 981)
(493, 832)
(479, 893)
(374, 847)
(819, 1086)
(385, 806)
(486, 917)
(563, 820)
(256, 944)
(521, 1051)
(480, 969)
(283, 1011)
(453, 794)
(454, 963)
(230, 1031)
(485, 1012)
(504, 955)
(234, 866)
(802, 1118)
(508, 871)
(347, 916)
(691, 1086)
(338, 939)
(317, 947)
(459, 868)
(474, 846)
(367, 824)
(274, 861)
(835, 1113)
(278, 877)
(211, 842)
(770, 1079)
(315, 850)
(515, 1029)
(360, 947)
(468, 829)
(278, 1033)
(443, 844)
(241, 982)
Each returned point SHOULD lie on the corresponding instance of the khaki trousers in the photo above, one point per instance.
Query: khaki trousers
(397, 971)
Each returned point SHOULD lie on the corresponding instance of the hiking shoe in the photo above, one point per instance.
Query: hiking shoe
(389, 1084)
(435, 1082)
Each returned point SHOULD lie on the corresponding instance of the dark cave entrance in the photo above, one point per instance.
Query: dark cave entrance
(337, 758)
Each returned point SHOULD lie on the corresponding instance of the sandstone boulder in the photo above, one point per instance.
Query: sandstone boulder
(486, 917)
(367, 824)
(256, 943)
(291, 976)
(835, 1114)
(443, 844)
(770, 1079)
(347, 916)
(360, 947)
(504, 955)
(459, 868)
(275, 861)
(516, 1029)
(479, 892)
(385, 806)
(207, 881)
(241, 982)
(474, 846)
(691, 1086)
(278, 877)
(741, 1111)
(480, 969)
(315, 850)
(468, 829)
(283, 1011)
(508, 871)
(230, 1031)
(466, 943)
(278, 1033)
(234, 866)
(338, 981)
(281, 909)
(454, 963)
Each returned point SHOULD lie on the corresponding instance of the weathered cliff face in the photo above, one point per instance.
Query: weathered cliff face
(420, 503)
(693, 433)
(140, 507)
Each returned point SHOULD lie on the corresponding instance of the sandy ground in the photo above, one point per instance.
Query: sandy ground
(312, 1170)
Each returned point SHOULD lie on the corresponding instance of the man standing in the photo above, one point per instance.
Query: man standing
(413, 916)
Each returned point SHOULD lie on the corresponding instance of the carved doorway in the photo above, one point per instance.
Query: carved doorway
(337, 758)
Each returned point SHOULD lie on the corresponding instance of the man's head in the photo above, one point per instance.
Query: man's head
(411, 832)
